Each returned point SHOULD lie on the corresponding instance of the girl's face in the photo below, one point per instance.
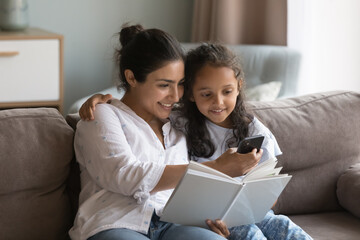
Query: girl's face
(160, 90)
(215, 91)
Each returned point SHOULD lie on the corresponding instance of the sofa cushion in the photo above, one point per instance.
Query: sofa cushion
(36, 148)
(329, 225)
(319, 136)
(348, 190)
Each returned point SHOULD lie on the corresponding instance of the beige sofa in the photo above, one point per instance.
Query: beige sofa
(319, 135)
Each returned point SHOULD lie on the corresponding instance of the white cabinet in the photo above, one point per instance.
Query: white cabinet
(31, 73)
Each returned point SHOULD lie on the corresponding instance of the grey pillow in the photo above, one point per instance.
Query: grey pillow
(348, 190)
(263, 92)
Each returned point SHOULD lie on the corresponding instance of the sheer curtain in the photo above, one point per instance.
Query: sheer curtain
(327, 33)
(240, 21)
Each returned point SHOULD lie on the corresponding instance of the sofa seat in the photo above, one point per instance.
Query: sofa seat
(329, 225)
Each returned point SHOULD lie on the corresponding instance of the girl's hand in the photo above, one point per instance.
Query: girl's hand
(86, 111)
(218, 227)
(235, 164)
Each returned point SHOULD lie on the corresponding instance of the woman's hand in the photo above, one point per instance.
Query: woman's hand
(218, 227)
(235, 164)
(86, 111)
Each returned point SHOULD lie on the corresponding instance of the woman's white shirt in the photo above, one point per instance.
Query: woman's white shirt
(121, 161)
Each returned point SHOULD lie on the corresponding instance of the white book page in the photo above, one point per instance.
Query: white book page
(262, 170)
(211, 176)
(203, 168)
(265, 173)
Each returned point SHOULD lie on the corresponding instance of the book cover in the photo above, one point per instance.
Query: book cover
(205, 193)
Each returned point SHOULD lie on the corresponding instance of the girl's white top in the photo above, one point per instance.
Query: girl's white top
(220, 135)
(121, 161)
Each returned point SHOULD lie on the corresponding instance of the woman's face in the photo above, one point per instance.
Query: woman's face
(160, 90)
(215, 91)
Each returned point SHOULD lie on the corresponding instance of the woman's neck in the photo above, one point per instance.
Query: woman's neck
(155, 123)
(131, 101)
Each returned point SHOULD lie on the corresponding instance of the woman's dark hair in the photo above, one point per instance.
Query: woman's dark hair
(197, 134)
(144, 51)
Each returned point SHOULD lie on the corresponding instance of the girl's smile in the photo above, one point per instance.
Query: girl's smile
(215, 111)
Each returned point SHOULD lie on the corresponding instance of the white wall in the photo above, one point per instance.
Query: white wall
(88, 27)
(327, 33)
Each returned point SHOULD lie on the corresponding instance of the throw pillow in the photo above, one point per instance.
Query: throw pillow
(348, 190)
(264, 92)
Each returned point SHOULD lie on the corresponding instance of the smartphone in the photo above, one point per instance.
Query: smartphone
(248, 144)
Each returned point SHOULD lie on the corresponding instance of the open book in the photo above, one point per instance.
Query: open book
(205, 193)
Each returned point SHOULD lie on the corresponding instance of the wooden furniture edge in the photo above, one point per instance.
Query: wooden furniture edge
(37, 33)
(30, 33)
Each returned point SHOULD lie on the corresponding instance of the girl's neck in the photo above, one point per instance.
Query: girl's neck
(225, 124)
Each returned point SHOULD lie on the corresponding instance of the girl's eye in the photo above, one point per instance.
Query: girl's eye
(163, 85)
(226, 92)
(205, 94)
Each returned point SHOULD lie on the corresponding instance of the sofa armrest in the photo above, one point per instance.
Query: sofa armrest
(348, 190)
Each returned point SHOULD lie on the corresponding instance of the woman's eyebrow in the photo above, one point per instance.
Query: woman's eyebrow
(203, 88)
(168, 80)
(164, 80)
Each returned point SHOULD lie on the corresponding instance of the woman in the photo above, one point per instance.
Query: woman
(130, 156)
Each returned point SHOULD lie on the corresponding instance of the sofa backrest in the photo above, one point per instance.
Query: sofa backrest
(319, 135)
(36, 151)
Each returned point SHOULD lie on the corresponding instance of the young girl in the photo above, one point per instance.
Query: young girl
(214, 118)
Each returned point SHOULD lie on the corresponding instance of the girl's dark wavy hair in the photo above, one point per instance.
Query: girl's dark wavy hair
(197, 134)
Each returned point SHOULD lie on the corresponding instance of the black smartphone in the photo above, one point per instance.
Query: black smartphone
(248, 144)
